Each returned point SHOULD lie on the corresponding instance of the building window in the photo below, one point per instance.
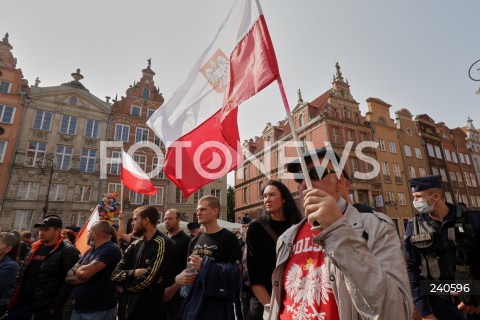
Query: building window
(58, 192)
(467, 159)
(115, 164)
(69, 124)
(389, 197)
(157, 140)
(197, 195)
(454, 157)
(430, 150)
(82, 193)
(7, 113)
(3, 149)
(346, 112)
(115, 187)
(435, 171)
(336, 135)
(468, 182)
(87, 161)
(350, 135)
(161, 174)
(64, 157)
(150, 113)
(473, 200)
(453, 178)
(354, 166)
(42, 120)
(448, 197)
(474, 180)
(409, 131)
(179, 196)
(386, 172)
(28, 190)
(411, 172)
(363, 136)
(260, 189)
(381, 144)
(5, 87)
(408, 151)
(141, 135)
(146, 93)
(393, 148)
(443, 173)
(122, 132)
(245, 195)
(398, 173)
(35, 152)
(462, 159)
(92, 130)
(216, 193)
(300, 120)
(141, 160)
(438, 152)
(136, 111)
(418, 153)
(460, 179)
(21, 220)
(157, 199)
(447, 155)
(401, 199)
(422, 172)
(465, 199)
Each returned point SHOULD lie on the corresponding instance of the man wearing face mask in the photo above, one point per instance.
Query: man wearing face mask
(441, 244)
(94, 293)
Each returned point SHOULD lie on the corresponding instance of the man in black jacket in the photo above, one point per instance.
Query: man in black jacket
(42, 290)
(144, 267)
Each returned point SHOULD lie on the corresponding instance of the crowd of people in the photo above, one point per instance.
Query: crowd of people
(335, 260)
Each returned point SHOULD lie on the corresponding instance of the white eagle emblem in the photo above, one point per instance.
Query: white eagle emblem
(308, 291)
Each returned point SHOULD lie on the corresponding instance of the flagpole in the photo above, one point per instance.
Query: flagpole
(303, 165)
(122, 219)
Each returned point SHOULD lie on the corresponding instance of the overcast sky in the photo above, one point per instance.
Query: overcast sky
(412, 54)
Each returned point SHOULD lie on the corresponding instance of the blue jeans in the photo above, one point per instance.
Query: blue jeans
(98, 315)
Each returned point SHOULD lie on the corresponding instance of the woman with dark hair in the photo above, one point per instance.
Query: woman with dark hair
(9, 244)
(280, 213)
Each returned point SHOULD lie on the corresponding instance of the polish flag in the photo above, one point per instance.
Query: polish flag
(199, 123)
(134, 178)
(82, 236)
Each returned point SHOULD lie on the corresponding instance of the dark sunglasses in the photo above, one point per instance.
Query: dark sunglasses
(313, 173)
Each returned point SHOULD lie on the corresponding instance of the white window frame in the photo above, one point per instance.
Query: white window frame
(122, 132)
(179, 199)
(38, 154)
(58, 192)
(422, 172)
(136, 198)
(411, 172)
(462, 158)
(381, 144)
(86, 160)
(448, 157)
(40, 115)
(392, 146)
(198, 194)
(431, 151)
(336, 135)
(29, 189)
(150, 112)
(71, 124)
(435, 171)
(161, 174)
(408, 150)
(94, 129)
(438, 152)
(144, 135)
(217, 193)
(82, 193)
(115, 166)
(25, 217)
(134, 107)
(157, 199)
(3, 111)
(418, 153)
(115, 187)
(141, 160)
(3, 149)
(443, 173)
(401, 199)
(397, 172)
(386, 172)
(460, 179)
(454, 157)
(62, 157)
(5, 86)
(466, 177)
(474, 180)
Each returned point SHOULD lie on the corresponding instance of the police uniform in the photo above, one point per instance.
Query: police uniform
(432, 250)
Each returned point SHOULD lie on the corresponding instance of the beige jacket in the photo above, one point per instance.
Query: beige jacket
(368, 277)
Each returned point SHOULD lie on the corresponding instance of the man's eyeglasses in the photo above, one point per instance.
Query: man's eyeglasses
(313, 173)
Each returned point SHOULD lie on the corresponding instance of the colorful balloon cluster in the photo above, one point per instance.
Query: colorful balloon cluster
(109, 207)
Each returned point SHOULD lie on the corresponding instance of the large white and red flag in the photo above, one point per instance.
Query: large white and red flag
(199, 123)
(134, 178)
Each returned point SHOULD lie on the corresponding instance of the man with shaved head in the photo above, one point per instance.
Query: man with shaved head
(94, 293)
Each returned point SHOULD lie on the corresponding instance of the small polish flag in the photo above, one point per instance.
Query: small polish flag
(82, 238)
(134, 178)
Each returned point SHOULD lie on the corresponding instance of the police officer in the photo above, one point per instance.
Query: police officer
(441, 244)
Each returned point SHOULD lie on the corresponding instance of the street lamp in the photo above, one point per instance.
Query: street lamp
(44, 164)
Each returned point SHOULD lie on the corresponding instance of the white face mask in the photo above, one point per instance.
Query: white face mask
(422, 205)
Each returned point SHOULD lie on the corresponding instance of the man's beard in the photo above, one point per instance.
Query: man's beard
(139, 232)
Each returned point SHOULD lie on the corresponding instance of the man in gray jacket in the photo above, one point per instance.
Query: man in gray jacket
(353, 268)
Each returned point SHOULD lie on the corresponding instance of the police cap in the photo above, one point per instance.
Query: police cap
(425, 183)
